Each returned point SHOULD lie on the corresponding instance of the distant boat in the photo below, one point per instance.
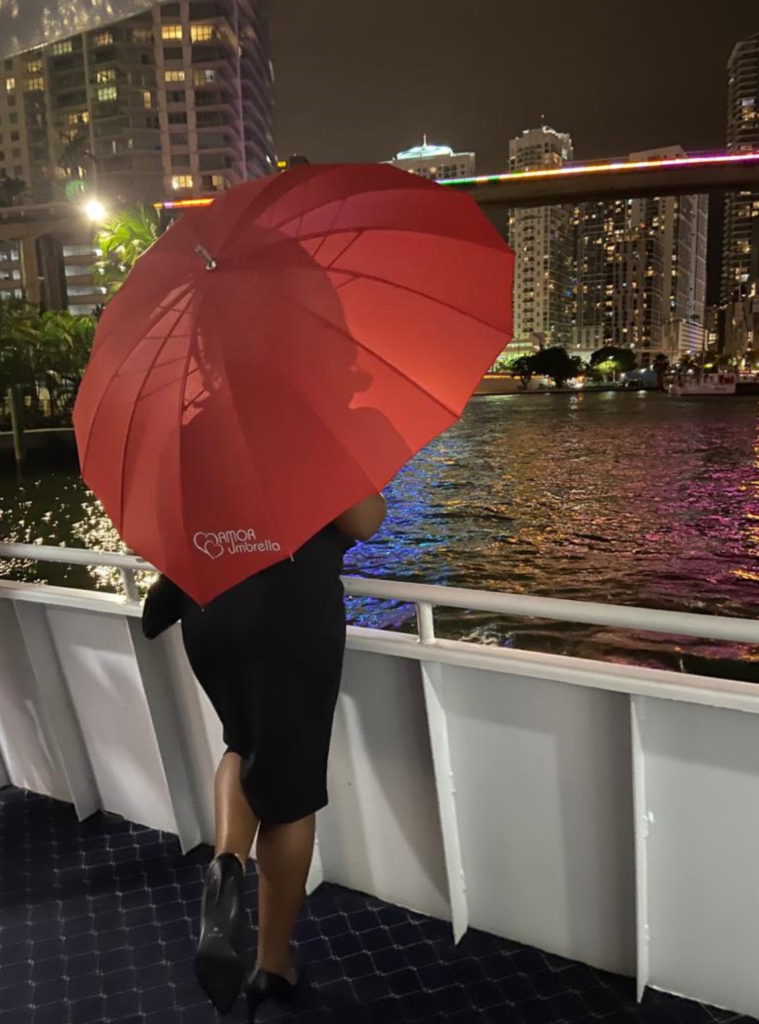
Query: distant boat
(690, 384)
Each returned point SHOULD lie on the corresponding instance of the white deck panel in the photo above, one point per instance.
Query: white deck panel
(381, 832)
(543, 785)
(702, 795)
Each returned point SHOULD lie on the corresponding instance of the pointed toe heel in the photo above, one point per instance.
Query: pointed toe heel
(262, 987)
(219, 966)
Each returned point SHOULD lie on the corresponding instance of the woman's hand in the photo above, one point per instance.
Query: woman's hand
(363, 520)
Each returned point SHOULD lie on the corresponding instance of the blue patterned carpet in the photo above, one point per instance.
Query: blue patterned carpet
(98, 924)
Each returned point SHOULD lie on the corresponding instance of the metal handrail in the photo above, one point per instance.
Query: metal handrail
(427, 597)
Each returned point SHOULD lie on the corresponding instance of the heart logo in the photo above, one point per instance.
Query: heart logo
(208, 543)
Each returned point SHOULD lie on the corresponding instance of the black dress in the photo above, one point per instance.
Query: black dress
(269, 654)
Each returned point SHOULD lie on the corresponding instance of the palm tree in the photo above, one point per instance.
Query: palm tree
(122, 240)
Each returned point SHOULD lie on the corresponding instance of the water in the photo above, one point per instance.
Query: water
(635, 499)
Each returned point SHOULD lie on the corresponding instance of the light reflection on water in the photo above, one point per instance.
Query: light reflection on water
(619, 498)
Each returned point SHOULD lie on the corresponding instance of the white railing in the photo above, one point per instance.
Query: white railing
(425, 598)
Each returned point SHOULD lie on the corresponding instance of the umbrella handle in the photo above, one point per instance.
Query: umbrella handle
(211, 263)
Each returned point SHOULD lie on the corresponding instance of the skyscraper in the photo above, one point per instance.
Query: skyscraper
(641, 271)
(174, 100)
(437, 162)
(542, 239)
(740, 264)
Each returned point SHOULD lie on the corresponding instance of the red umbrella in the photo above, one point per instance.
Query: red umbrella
(277, 357)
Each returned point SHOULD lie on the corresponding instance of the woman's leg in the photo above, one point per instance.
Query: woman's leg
(236, 824)
(284, 860)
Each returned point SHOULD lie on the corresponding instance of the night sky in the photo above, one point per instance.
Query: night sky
(361, 79)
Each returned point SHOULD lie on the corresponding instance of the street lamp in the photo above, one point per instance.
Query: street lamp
(95, 211)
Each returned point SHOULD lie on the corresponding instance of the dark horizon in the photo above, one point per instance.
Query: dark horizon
(358, 82)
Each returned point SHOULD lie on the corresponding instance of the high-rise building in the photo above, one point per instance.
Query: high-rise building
(173, 101)
(740, 264)
(176, 100)
(542, 239)
(641, 271)
(437, 162)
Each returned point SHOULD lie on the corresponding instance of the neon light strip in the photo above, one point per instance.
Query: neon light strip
(182, 204)
(719, 159)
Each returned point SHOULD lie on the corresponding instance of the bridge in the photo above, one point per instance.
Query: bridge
(619, 179)
(577, 183)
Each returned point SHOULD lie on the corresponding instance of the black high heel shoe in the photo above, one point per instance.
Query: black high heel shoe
(218, 965)
(262, 987)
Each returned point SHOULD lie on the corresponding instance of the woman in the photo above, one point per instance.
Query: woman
(269, 654)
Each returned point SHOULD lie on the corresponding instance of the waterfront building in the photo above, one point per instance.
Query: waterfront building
(439, 163)
(681, 338)
(174, 101)
(716, 327)
(543, 241)
(640, 264)
(740, 263)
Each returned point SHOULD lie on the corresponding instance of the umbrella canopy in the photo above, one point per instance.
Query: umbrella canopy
(277, 357)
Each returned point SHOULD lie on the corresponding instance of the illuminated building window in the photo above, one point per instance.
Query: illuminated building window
(205, 77)
(109, 75)
(103, 39)
(147, 100)
(36, 85)
(81, 117)
(171, 31)
(181, 181)
(10, 84)
(202, 33)
(174, 76)
(34, 67)
(108, 93)
(218, 181)
(65, 47)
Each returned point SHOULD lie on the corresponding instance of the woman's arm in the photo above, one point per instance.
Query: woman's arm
(363, 520)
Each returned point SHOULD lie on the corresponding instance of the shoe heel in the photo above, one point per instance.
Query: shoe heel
(220, 970)
(262, 987)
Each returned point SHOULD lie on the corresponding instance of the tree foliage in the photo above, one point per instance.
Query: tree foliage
(43, 352)
(556, 362)
(122, 240)
(12, 191)
(612, 360)
(522, 367)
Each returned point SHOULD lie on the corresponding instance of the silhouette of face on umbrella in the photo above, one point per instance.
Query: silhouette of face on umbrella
(256, 394)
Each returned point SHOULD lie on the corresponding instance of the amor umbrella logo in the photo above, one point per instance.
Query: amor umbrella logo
(216, 545)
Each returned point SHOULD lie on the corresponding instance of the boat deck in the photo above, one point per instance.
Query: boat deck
(98, 924)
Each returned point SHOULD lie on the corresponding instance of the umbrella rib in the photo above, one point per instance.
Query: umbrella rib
(133, 412)
(376, 355)
(238, 420)
(359, 275)
(182, 390)
(343, 201)
(329, 231)
(154, 320)
(262, 250)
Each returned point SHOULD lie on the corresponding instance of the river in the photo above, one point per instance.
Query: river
(625, 498)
